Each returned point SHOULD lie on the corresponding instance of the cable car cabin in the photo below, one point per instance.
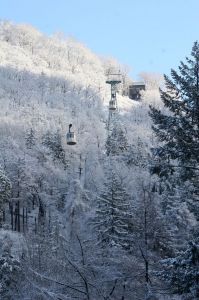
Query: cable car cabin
(112, 105)
(70, 138)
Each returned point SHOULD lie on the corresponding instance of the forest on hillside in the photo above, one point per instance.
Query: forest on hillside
(115, 216)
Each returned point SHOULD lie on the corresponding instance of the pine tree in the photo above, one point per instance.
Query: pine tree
(182, 272)
(30, 139)
(59, 153)
(5, 191)
(11, 274)
(178, 128)
(177, 165)
(113, 214)
(54, 142)
(137, 154)
(116, 143)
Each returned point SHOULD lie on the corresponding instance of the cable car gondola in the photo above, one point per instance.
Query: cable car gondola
(70, 137)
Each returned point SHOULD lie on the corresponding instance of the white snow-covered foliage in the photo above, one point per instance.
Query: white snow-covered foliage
(46, 83)
(13, 241)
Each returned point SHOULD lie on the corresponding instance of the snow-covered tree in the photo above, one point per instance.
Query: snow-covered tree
(177, 127)
(5, 193)
(113, 213)
(30, 138)
(176, 162)
(116, 143)
(181, 273)
(54, 142)
(11, 274)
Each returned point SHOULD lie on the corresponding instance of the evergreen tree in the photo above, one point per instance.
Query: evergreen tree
(30, 139)
(59, 153)
(11, 274)
(113, 215)
(178, 128)
(137, 154)
(116, 143)
(5, 191)
(177, 165)
(182, 272)
(54, 142)
(46, 139)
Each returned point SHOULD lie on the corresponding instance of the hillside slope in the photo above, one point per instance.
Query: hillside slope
(46, 83)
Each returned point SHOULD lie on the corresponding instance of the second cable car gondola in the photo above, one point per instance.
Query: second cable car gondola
(70, 137)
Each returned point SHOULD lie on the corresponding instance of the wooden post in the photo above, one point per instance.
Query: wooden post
(23, 218)
(19, 219)
(35, 225)
(15, 213)
(11, 217)
(26, 219)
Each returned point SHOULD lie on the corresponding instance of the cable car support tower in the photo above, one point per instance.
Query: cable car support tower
(113, 79)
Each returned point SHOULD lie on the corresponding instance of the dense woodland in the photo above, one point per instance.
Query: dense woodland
(115, 216)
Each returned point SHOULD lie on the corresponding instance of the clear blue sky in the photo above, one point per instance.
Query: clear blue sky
(147, 35)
